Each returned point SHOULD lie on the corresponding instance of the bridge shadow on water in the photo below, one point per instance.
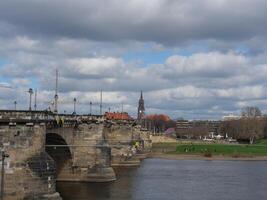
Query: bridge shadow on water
(121, 189)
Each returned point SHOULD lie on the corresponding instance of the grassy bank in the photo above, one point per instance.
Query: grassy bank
(209, 150)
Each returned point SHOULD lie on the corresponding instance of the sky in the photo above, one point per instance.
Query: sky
(192, 59)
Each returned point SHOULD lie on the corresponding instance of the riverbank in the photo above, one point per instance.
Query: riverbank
(170, 156)
(208, 151)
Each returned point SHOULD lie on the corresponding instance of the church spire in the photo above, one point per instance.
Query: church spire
(141, 107)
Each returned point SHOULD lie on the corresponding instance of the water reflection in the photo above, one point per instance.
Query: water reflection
(118, 190)
(158, 179)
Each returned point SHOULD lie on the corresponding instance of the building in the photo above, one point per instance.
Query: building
(117, 116)
(214, 127)
(231, 117)
(183, 128)
(183, 124)
(197, 128)
(141, 107)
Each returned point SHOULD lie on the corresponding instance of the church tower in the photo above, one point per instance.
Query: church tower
(141, 107)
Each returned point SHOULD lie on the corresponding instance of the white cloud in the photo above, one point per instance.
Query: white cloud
(96, 67)
(216, 64)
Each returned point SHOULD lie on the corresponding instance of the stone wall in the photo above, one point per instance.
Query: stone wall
(93, 147)
(29, 171)
(90, 154)
(127, 141)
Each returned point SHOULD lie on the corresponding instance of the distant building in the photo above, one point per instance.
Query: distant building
(214, 127)
(231, 117)
(183, 128)
(117, 116)
(197, 128)
(141, 107)
(183, 124)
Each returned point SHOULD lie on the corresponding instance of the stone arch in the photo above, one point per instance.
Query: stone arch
(58, 149)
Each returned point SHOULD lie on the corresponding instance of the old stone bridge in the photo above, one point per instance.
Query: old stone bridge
(44, 148)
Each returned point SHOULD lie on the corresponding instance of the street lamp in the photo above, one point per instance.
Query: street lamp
(30, 104)
(15, 105)
(74, 106)
(4, 155)
(91, 107)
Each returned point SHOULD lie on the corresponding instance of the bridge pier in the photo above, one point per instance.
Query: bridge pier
(89, 156)
(29, 171)
(102, 172)
(129, 144)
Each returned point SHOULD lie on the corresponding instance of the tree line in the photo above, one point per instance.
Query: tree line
(251, 125)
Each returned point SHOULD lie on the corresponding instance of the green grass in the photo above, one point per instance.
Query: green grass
(221, 149)
(261, 142)
(235, 150)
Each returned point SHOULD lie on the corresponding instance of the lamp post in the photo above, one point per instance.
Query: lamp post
(101, 101)
(91, 107)
(74, 106)
(15, 105)
(4, 155)
(30, 104)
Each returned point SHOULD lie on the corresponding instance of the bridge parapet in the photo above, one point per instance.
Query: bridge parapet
(16, 115)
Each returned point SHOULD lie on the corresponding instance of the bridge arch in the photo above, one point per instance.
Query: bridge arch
(58, 149)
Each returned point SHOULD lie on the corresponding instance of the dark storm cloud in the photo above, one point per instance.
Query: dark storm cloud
(168, 22)
(225, 69)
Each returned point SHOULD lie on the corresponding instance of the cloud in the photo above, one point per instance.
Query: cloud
(214, 54)
(212, 64)
(208, 84)
(161, 21)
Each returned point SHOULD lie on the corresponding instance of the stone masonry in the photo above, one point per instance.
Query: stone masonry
(30, 171)
(45, 148)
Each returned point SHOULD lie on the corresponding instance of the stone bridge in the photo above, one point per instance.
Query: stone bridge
(44, 148)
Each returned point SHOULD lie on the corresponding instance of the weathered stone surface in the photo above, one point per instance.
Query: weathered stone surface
(81, 148)
(29, 172)
(90, 154)
(128, 144)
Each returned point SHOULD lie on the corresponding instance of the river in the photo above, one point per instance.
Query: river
(160, 179)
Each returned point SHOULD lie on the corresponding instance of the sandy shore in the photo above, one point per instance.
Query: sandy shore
(201, 157)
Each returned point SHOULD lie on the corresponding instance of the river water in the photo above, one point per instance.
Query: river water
(160, 179)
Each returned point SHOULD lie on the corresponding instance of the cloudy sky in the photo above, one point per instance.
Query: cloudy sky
(197, 59)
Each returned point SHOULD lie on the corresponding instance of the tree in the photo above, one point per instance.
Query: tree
(251, 128)
(158, 123)
(250, 112)
(230, 128)
(199, 130)
(247, 128)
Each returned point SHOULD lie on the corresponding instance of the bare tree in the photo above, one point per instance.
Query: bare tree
(199, 130)
(250, 112)
(230, 128)
(247, 128)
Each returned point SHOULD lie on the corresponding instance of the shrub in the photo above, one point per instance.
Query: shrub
(208, 154)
